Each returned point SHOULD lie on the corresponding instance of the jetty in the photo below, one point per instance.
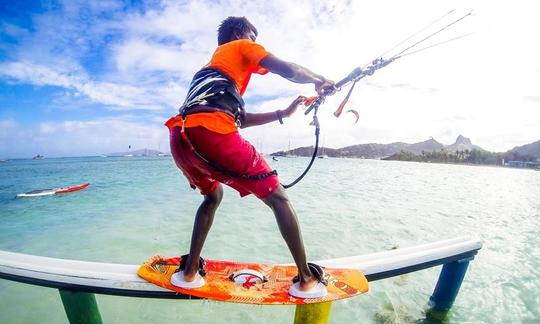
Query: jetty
(79, 281)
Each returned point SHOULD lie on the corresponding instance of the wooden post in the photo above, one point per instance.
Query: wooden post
(312, 313)
(80, 307)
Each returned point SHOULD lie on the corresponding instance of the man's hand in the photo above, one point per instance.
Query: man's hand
(293, 106)
(325, 87)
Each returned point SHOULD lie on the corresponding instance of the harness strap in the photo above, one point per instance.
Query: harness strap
(221, 169)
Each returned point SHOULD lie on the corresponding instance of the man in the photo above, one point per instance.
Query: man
(207, 147)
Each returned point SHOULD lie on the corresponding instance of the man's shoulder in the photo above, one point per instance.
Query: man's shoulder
(231, 46)
(242, 43)
(240, 47)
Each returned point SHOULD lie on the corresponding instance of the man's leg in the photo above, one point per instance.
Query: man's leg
(203, 222)
(290, 230)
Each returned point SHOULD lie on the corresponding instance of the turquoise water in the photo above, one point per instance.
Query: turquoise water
(137, 207)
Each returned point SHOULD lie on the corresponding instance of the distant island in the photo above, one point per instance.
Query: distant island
(462, 151)
(141, 152)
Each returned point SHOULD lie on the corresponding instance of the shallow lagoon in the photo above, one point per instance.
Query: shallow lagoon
(137, 207)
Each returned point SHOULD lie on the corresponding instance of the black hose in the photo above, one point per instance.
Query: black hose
(317, 131)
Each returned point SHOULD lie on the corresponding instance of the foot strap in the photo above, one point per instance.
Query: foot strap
(317, 271)
(318, 291)
(182, 266)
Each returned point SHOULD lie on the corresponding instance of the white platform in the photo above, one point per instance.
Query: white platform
(122, 279)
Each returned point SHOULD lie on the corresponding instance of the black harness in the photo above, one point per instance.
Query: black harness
(211, 87)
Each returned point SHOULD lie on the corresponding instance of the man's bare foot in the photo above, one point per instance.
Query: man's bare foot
(189, 281)
(306, 285)
(189, 269)
(189, 277)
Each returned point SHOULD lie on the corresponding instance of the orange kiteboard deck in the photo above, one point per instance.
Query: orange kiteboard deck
(342, 283)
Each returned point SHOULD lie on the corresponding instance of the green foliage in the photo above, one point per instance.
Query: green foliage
(474, 156)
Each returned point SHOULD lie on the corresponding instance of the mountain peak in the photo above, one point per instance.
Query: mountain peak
(463, 140)
(462, 143)
(431, 140)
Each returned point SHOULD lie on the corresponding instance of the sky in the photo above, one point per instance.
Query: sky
(82, 78)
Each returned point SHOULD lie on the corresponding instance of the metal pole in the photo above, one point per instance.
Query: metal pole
(447, 288)
(80, 307)
(312, 313)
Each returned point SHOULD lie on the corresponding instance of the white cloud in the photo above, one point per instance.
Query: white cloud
(121, 96)
(48, 128)
(146, 56)
(35, 74)
(76, 138)
(14, 142)
(12, 30)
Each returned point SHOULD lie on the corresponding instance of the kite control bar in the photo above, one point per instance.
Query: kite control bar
(379, 63)
(355, 75)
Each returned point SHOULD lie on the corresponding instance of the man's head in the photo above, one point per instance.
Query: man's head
(234, 28)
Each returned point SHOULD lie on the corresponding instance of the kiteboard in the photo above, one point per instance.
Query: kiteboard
(252, 283)
(47, 192)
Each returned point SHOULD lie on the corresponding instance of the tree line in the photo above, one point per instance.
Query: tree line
(474, 156)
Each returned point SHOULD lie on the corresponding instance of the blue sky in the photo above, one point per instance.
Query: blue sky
(92, 77)
(60, 77)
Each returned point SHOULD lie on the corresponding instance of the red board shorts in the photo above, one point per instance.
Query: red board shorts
(230, 151)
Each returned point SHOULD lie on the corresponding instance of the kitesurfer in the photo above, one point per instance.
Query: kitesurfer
(208, 149)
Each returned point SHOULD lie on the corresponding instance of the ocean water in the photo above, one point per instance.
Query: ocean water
(138, 207)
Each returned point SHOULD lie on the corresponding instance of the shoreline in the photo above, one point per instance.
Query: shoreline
(467, 164)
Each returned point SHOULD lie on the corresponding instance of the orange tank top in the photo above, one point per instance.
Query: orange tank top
(238, 59)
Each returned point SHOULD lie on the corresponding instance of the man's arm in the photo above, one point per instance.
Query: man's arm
(254, 119)
(295, 73)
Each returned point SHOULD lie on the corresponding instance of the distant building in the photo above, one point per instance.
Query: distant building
(522, 164)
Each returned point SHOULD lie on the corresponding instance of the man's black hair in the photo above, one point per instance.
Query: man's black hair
(233, 26)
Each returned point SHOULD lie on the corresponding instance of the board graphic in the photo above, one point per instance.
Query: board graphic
(342, 283)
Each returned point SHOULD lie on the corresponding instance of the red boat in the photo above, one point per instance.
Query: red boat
(47, 192)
